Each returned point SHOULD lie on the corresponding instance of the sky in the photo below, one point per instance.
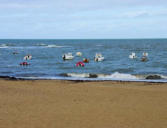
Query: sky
(83, 19)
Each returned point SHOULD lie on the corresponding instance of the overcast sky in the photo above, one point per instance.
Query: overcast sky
(83, 19)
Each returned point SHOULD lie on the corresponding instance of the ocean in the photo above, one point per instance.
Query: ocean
(47, 61)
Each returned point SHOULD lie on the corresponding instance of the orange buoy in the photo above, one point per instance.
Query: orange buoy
(85, 60)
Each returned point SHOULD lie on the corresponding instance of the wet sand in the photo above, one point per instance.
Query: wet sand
(67, 104)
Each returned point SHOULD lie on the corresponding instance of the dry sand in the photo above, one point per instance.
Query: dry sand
(66, 104)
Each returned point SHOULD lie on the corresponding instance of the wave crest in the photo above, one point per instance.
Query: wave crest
(121, 76)
(54, 46)
(114, 76)
(3, 46)
(41, 44)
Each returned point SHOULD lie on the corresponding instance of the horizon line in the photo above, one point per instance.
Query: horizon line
(75, 38)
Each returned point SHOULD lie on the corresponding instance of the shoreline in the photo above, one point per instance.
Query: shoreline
(10, 78)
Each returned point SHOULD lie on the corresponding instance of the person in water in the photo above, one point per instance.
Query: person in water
(144, 57)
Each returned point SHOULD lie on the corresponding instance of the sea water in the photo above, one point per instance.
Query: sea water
(47, 62)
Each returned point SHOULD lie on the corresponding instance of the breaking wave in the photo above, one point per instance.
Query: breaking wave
(114, 76)
(7, 45)
(41, 44)
(3, 46)
(49, 45)
(121, 76)
(54, 46)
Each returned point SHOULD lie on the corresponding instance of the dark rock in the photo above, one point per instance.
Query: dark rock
(153, 77)
(8, 77)
(64, 74)
(93, 75)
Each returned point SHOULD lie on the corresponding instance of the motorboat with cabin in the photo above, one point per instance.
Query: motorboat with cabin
(98, 57)
(133, 56)
(28, 57)
(67, 56)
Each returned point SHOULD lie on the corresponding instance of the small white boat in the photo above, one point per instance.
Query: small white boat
(67, 56)
(98, 57)
(28, 57)
(78, 54)
(145, 54)
(133, 56)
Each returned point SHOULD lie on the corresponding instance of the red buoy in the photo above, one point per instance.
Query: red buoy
(80, 64)
(24, 63)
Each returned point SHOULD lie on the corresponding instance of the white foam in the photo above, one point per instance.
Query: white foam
(41, 44)
(54, 46)
(114, 76)
(3, 46)
(120, 76)
(163, 76)
(78, 75)
(84, 77)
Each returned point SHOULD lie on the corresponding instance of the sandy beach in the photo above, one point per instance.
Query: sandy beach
(69, 104)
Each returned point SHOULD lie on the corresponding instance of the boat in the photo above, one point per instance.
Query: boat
(28, 57)
(67, 56)
(145, 54)
(144, 57)
(133, 56)
(98, 57)
(78, 54)
(85, 60)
